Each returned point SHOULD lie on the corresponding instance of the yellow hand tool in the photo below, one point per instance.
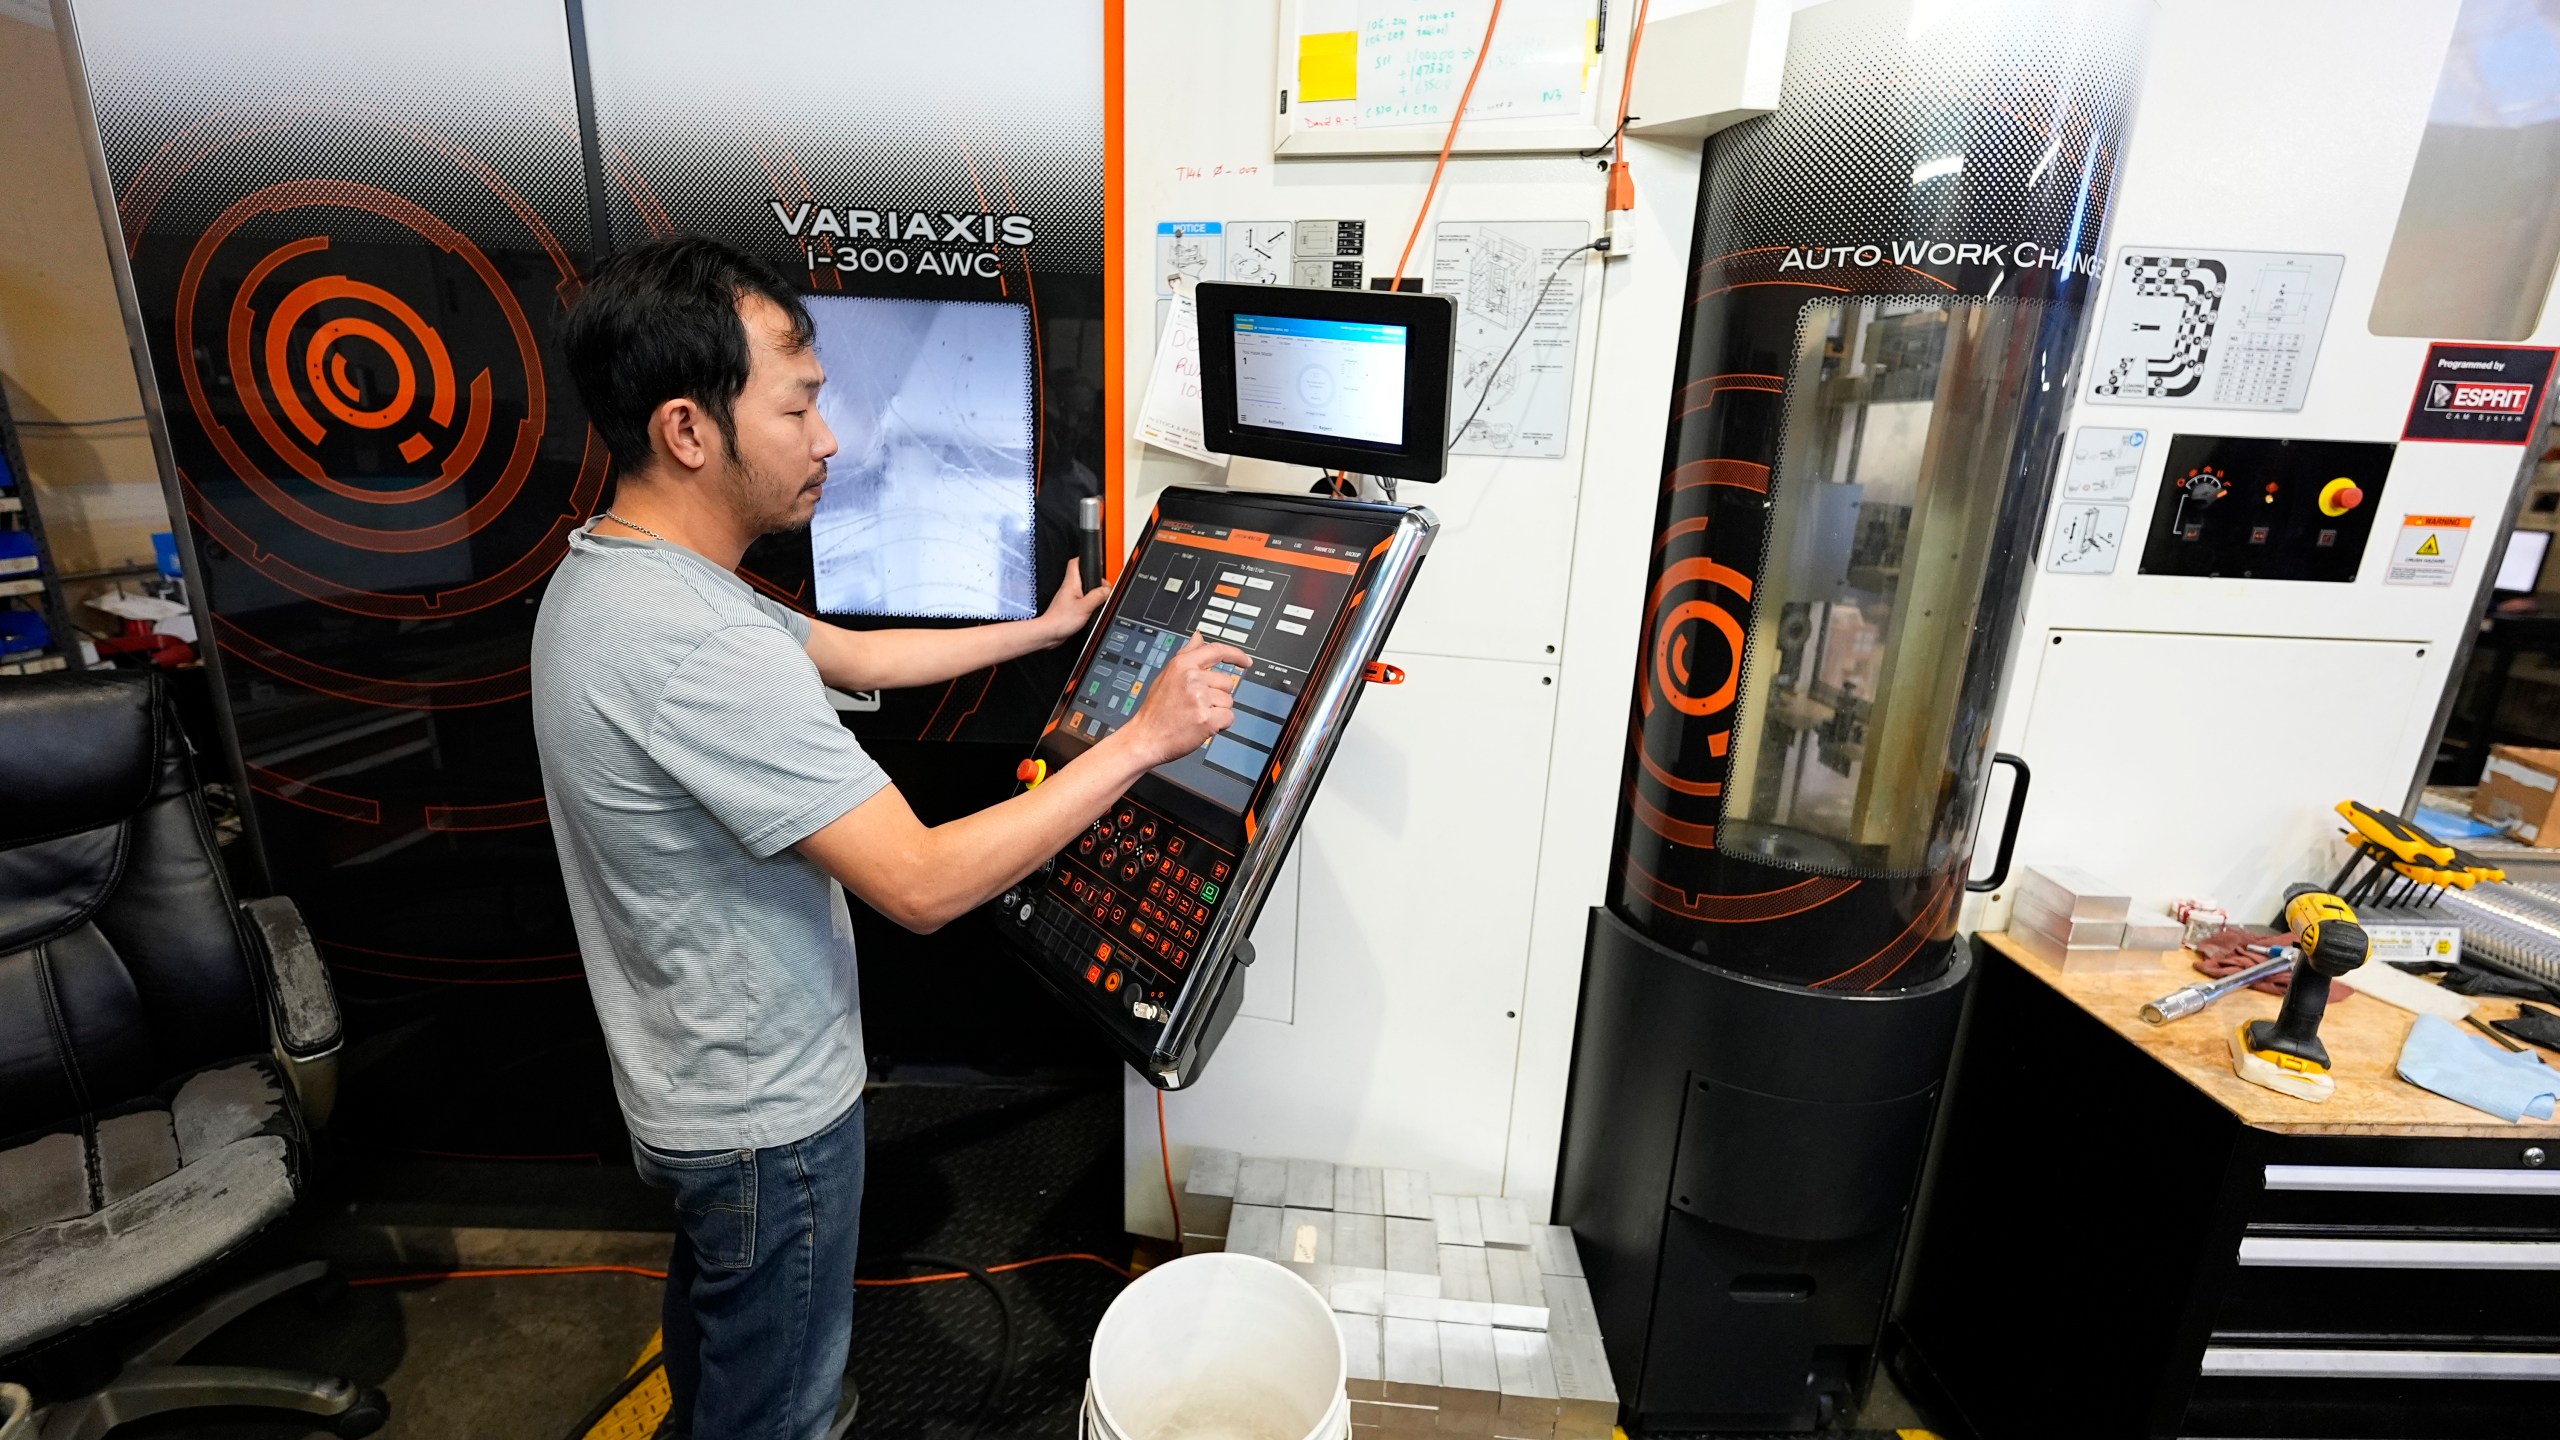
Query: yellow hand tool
(2285, 1054)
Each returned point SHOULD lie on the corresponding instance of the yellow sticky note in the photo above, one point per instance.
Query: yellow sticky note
(1329, 66)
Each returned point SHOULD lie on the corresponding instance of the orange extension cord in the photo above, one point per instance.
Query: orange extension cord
(1482, 50)
(647, 1274)
(1622, 183)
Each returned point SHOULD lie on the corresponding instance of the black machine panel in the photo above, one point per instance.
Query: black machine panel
(1141, 923)
(2249, 507)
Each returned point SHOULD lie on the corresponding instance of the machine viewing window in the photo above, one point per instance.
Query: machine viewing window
(1349, 380)
(1860, 679)
(1275, 596)
(928, 505)
(2473, 253)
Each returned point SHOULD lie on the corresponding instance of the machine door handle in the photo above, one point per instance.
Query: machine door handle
(1999, 875)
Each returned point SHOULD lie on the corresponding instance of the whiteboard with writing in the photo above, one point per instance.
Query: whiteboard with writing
(1385, 76)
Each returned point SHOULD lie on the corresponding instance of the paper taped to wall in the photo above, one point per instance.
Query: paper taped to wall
(1495, 271)
(1169, 417)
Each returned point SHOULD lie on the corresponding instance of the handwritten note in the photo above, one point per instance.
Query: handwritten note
(1169, 418)
(1414, 59)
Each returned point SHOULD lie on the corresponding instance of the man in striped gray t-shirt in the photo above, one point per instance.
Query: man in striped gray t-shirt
(707, 803)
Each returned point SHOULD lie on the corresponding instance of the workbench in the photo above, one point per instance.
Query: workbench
(2119, 1237)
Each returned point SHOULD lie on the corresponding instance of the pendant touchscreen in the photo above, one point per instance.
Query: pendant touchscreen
(1141, 922)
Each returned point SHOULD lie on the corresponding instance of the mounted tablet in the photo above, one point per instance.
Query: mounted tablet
(1141, 923)
(1351, 380)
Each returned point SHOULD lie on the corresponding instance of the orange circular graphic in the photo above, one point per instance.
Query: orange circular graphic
(338, 310)
(1678, 676)
(1671, 670)
(339, 400)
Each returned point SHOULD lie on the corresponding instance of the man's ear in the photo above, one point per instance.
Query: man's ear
(682, 430)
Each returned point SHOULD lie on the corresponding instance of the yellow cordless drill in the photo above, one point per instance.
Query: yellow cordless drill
(2285, 1053)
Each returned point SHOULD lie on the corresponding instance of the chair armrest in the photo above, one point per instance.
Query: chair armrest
(307, 1023)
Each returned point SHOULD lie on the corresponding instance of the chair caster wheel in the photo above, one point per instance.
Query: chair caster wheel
(371, 1412)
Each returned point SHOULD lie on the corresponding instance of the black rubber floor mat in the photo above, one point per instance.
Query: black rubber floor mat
(985, 1174)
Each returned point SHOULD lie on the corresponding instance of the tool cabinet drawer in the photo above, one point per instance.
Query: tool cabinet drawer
(2509, 1196)
(2361, 1394)
(2490, 1292)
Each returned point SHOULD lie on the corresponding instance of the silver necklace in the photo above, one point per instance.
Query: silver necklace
(643, 529)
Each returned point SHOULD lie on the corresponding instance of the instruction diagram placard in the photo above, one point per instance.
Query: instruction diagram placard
(1258, 252)
(2105, 463)
(2087, 539)
(2427, 549)
(1189, 250)
(2479, 394)
(2212, 329)
(1497, 271)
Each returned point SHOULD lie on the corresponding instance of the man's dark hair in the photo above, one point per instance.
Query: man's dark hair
(660, 322)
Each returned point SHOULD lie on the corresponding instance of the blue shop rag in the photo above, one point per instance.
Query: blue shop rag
(2507, 1084)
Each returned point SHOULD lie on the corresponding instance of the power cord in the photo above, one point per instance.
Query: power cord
(1601, 244)
(1483, 49)
(951, 1270)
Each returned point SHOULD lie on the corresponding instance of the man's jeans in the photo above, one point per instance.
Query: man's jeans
(759, 1299)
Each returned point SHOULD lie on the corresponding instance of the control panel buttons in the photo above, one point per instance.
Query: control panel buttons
(1111, 982)
(1126, 818)
(1218, 870)
(2340, 496)
(1023, 914)
(1173, 847)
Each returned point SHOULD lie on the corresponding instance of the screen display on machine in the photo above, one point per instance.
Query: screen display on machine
(929, 498)
(1340, 379)
(2520, 568)
(1276, 597)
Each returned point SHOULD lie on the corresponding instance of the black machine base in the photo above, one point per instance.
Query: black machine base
(1739, 1163)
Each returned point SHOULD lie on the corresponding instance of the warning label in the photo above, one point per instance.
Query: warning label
(2427, 550)
(2483, 394)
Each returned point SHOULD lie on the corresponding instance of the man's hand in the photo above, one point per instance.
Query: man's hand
(924, 878)
(1189, 701)
(895, 659)
(1070, 610)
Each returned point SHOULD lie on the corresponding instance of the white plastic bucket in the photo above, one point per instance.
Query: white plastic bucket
(1217, 1347)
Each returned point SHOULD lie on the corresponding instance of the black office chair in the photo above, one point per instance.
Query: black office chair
(163, 1052)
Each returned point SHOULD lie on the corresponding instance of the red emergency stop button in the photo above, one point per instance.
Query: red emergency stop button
(2340, 496)
(1031, 771)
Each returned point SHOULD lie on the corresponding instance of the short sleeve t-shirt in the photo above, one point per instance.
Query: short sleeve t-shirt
(687, 745)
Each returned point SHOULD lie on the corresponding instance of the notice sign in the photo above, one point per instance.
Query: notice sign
(2482, 394)
(2427, 549)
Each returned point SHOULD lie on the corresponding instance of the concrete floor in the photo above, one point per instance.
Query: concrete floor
(510, 1359)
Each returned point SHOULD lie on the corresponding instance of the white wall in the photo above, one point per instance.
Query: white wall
(1421, 1014)
(2264, 126)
